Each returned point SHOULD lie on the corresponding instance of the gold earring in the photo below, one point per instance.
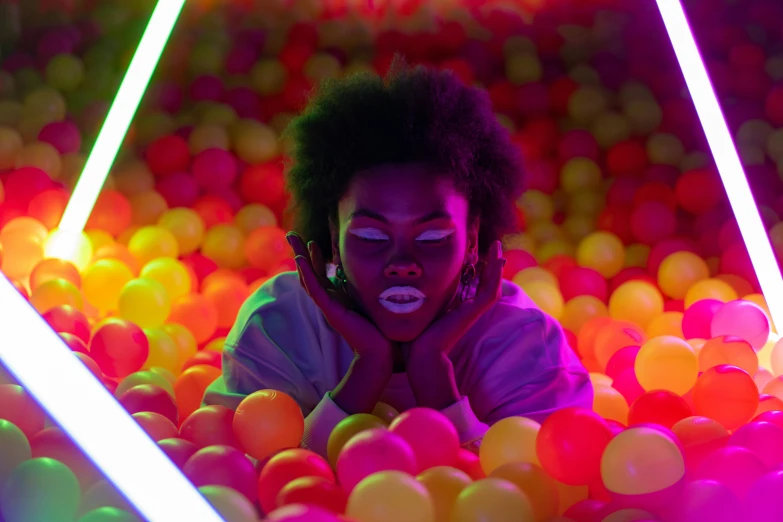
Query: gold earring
(468, 274)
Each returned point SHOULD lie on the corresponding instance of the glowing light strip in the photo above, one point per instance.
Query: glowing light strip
(96, 422)
(116, 126)
(726, 157)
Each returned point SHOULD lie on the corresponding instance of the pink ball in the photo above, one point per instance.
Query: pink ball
(210, 426)
(301, 513)
(215, 168)
(150, 398)
(652, 221)
(178, 450)
(742, 319)
(579, 143)
(63, 136)
(179, 189)
(23, 184)
(735, 466)
(762, 438)
(774, 105)
(622, 360)
(241, 58)
(207, 88)
(736, 260)
(622, 191)
(66, 318)
(628, 385)
(54, 42)
(763, 500)
(432, 437)
(581, 280)
(222, 466)
(697, 320)
(371, 451)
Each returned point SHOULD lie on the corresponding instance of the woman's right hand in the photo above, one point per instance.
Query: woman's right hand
(373, 362)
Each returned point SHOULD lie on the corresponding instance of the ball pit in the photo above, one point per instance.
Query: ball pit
(624, 236)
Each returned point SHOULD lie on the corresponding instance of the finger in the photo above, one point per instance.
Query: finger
(297, 245)
(332, 310)
(317, 260)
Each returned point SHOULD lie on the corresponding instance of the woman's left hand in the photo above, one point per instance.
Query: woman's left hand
(429, 369)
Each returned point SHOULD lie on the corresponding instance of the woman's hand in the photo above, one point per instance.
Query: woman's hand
(372, 367)
(429, 369)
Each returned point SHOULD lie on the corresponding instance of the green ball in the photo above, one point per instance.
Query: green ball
(109, 514)
(103, 494)
(14, 449)
(40, 489)
(27, 80)
(65, 72)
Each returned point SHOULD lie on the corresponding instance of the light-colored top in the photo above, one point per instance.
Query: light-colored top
(514, 361)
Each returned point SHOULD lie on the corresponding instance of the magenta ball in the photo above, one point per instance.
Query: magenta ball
(707, 500)
(580, 280)
(743, 319)
(580, 143)
(430, 434)
(301, 513)
(178, 450)
(697, 320)
(244, 101)
(765, 439)
(223, 466)
(735, 466)
(151, 398)
(371, 451)
(54, 42)
(207, 88)
(63, 136)
(628, 385)
(652, 222)
(241, 58)
(622, 360)
(763, 500)
(214, 169)
(179, 189)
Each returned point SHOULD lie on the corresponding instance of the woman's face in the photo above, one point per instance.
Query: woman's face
(403, 241)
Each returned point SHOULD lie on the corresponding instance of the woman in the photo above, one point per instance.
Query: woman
(406, 186)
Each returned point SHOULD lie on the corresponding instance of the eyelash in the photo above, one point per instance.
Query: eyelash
(424, 241)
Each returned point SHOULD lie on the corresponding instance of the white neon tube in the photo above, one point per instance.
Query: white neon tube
(96, 422)
(726, 158)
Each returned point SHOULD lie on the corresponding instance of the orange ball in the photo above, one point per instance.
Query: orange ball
(726, 394)
(190, 386)
(48, 207)
(119, 252)
(197, 313)
(587, 334)
(52, 268)
(268, 421)
(614, 337)
(56, 292)
(111, 213)
(228, 297)
(728, 350)
(266, 248)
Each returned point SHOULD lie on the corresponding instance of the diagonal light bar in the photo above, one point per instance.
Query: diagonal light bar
(115, 128)
(726, 157)
(96, 422)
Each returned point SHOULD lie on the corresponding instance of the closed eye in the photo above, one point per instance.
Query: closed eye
(435, 236)
(369, 235)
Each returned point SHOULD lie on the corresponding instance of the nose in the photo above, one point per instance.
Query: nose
(403, 269)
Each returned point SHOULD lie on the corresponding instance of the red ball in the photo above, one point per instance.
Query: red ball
(74, 343)
(210, 426)
(631, 273)
(112, 213)
(48, 206)
(222, 466)
(581, 280)
(178, 189)
(286, 466)
(660, 407)
(262, 184)
(167, 155)
(628, 158)
(655, 191)
(150, 398)
(774, 105)
(652, 222)
(622, 191)
(119, 347)
(736, 260)
(200, 264)
(587, 510)
(214, 168)
(699, 190)
(66, 318)
(314, 491)
(214, 210)
(207, 88)
(623, 359)
(178, 450)
(578, 144)
(20, 408)
(516, 261)
(208, 357)
(21, 185)
(570, 444)
(616, 220)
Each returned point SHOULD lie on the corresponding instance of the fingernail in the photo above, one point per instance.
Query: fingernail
(288, 238)
(504, 262)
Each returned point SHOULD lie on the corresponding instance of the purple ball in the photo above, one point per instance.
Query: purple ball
(54, 42)
(241, 59)
(207, 88)
(245, 101)
(63, 136)
(179, 189)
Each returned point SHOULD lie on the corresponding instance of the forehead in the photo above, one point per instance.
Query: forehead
(404, 192)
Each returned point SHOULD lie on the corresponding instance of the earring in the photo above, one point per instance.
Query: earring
(468, 274)
(341, 278)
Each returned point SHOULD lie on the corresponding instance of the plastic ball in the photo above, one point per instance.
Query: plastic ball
(546, 296)
(16, 449)
(190, 386)
(147, 208)
(224, 244)
(388, 496)
(144, 302)
(155, 425)
(580, 309)
(142, 377)
(679, 271)
(697, 319)
(492, 499)
(713, 289)
(222, 466)
(636, 301)
(726, 394)
(253, 216)
(46, 103)
(762, 438)
(660, 407)
(734, 466)
(54, 293)
(214, 168)
(512, 439)
(266, 422)
(540, 489)
(267, 248)
(48, 206)
(167, 155)
(103, 494)
(153, 242)
(228, 297)
(570, 444)
(64, 136)
(254, 142)
(761, 497)
(302, 513)
(40, 155)
(315, 491)
(372, 451)
(614, 337)
(210, 426)
(431, 436)
(346, 429)
(728, 350)
(186, 226)
(667, 363)
(171, 274)
(197, 314)
(742, 319)
(103, 282)
(178, 450)
(108, 514)
(10, 145)
(40, 489)
(119, 347)
(18, 406)
(231, 505)
(285, 467)
(150, 398)
(67, 319)
(603, 252)
(56, 444)
(444, 485)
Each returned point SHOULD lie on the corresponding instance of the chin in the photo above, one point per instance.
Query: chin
(401, 329)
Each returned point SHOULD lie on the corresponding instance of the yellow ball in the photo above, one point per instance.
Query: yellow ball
(679, 271)
(145, 303)
(636, 301)
(213, 113)
(268, 77)
(644, 115)
(710, 289)
(225, 245)
(512, 439)
(41, 155)
(667, 363)
(775, 145)
(603, 252)
(216, 345)
(578, 226)
(208, 136)
(522, 68)
(148, 243)
(665, 149)
(537, 206)
(589, 202)
(164, 352)
(553, 248)
(99, 238)
(543, 231)
(580, 309)
(55, 292)
(546, 296)
(171, 274)
(254, 142)
(10, 146)
(65, 72)
(636, 255)
(253, 216)
(152, 126)
(186, 225)
(133, 177)
(11, 112)
(492, 500)
(390, 496)
(103, 282)
(184, 339)
(668, 323)
(74, 248)
(586, 103)
(534, 273)
(46, 103)
(147, 207)
(610, 128)
(444, 485)
(610, 404)
(580, 174)
(322, 66)
(539, 488)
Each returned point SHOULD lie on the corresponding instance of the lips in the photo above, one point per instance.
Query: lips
(402, 299)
